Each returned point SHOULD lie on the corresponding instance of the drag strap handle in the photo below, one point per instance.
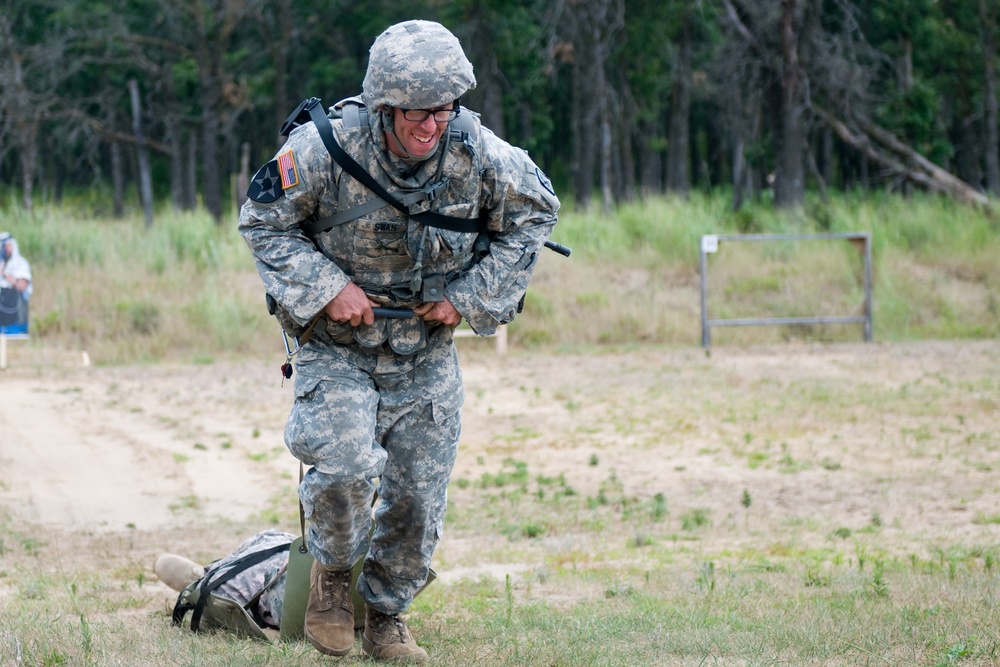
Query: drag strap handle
(392, 313)
(559, 248)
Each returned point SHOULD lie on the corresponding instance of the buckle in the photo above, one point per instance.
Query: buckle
(299, 117)
(432, 190)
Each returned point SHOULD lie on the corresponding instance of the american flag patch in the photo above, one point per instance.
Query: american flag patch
(289, 173)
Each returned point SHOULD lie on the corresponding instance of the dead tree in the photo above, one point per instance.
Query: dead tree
(884, 148)
(145, 173)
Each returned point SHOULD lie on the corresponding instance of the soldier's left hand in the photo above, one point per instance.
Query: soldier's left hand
(438, 311)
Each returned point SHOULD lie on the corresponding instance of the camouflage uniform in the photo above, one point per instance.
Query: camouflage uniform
(381, 403)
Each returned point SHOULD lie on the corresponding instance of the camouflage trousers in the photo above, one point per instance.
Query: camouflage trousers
(367, 420)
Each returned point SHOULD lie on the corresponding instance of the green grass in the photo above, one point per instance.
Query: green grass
(616, 605)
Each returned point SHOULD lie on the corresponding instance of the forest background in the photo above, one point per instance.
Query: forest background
(156, 100)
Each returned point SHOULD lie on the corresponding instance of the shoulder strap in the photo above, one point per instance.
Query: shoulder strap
(352, 114)
(315, 110)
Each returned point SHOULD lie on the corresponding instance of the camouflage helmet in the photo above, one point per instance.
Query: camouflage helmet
(416, 65)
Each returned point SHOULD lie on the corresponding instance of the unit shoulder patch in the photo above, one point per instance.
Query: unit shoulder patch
(544, 181)
(265, 186)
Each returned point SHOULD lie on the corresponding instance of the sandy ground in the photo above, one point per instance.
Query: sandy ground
(906, 434)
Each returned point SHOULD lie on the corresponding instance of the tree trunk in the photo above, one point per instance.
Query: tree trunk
(29, 163)
(58, 180)
(176, 164)
(991, 106)
(650, 160)
(489, 76)
(678, 143)
(739, 171)
(210, 51)
(527, 123)
(191, 172)
(142, 154)
(968, 166)
(625, 155)
(715, 148)
(25, 135)
(280, 48)
(594, 27)
(603, 114)
(607, 156)
(584, 138)
(243, 179)
(745, 179)
(904, 64)
(211, 183)
(585, 127)
(826, 154)
(789, 184)
(117, 179)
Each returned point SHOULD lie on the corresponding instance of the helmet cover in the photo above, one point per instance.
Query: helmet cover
(416, 65)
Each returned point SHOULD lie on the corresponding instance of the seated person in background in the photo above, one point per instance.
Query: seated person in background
(15, 286)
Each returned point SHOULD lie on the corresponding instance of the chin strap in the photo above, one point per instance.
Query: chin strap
(314, 110)
(391, 127)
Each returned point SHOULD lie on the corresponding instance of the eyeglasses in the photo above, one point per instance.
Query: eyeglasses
(440, 115)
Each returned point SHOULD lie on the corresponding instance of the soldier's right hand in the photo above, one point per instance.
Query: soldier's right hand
(351, 305)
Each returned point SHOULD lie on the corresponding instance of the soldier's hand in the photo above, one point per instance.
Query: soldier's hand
(438, 311)
(351, 305)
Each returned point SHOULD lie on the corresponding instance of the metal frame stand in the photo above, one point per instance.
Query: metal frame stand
(710, 245)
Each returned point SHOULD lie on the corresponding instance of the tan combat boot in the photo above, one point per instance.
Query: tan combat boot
(387, 638)
(329, 622)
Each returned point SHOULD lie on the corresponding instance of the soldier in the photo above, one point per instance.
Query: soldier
(378, 399)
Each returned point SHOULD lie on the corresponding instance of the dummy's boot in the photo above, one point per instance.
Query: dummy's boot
(387, 638)
(177, 572)
(329, 622)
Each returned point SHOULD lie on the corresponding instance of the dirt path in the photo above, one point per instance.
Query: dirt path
(840, 435)
(143, 447)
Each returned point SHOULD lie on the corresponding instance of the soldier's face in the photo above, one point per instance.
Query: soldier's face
(417, 138)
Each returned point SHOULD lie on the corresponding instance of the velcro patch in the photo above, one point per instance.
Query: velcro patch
(265, 187)
(544, 181)
(289, 173)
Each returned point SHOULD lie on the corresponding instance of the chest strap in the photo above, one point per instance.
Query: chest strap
(313, 227)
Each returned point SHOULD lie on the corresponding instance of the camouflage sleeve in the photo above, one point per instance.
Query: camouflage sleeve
(521, 208)
(282, 194)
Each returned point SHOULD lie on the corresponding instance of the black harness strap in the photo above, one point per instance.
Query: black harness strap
(314, 107)
(207, 586)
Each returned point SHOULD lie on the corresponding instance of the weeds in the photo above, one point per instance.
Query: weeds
(696, 519)
(192, 290)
